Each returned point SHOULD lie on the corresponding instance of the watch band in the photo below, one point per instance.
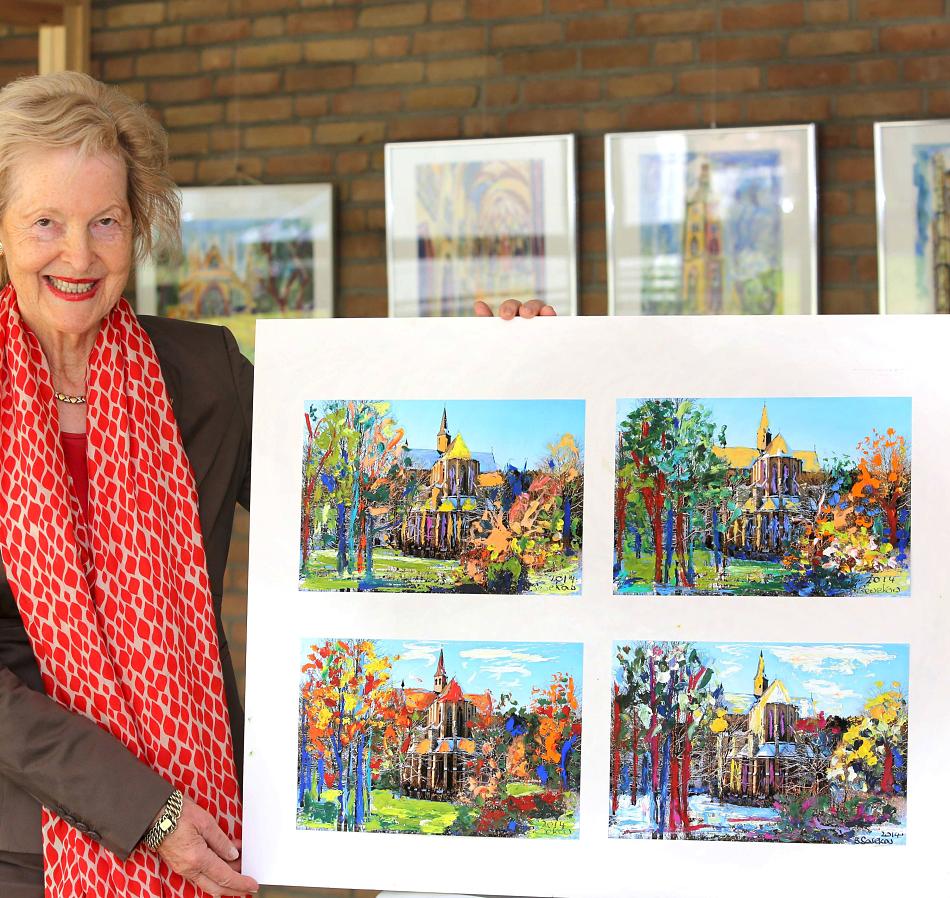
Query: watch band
(167, 821)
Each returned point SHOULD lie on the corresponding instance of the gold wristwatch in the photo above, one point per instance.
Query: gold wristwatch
(167, 821)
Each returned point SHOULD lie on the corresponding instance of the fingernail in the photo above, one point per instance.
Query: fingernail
(234, 855)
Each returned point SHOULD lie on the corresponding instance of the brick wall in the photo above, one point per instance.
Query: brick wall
(19, 50)
(312, 89)
(290, 90)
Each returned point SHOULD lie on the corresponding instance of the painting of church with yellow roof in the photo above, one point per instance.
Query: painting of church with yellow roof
(443, 496)
(763, 496)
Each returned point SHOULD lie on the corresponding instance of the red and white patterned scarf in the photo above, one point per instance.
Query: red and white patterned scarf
(118, 610)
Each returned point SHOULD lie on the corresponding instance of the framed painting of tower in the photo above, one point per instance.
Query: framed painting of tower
(912, 167)
(247, 252)
(489, 220)
(712, 222)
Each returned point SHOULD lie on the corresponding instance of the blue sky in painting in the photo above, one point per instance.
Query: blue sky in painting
(498, 667)
(835, 678)
(515, 430)
(829, 425)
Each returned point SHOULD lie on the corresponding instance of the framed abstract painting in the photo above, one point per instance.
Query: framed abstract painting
(489, 220)
(248, 252)
(912, 168)
(712, 222)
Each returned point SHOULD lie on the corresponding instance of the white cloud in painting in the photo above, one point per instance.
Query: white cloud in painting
(420, 651)
(839, 659)
(493, 654)
(506, 670)
(737, 651)
(829, 695)
(726, 670)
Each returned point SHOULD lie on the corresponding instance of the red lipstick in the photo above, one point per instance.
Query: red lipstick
(91, 288)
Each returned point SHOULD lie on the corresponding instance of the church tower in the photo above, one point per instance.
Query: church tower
(702, 248)
(761, 680)
(764, 436)
(940, 229)
(440, 678)
(444, 437)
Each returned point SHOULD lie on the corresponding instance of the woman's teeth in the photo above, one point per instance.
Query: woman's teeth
(70, 287)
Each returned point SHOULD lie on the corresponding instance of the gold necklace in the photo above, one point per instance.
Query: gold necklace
(72, 400)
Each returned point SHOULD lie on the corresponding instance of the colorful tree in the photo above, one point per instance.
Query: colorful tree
(351, 462)
(874, 747)
(667, 463)
(663, 692)
(883, 479)
(344, 700)
(558, 731)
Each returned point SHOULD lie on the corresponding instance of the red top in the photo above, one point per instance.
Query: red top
(74, 445)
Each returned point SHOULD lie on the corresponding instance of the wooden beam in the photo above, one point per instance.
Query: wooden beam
(31, 13)
(66, 47)
(52, 49)
(77, 22)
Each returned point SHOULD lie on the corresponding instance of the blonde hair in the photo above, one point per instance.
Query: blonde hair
(72, 110)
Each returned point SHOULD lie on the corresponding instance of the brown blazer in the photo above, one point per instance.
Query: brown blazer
(51, 756)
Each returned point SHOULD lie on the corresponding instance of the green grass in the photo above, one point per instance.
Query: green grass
(743, 577)
(418, 816)
(395, 572)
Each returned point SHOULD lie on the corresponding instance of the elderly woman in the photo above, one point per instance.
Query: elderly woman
(124, 446)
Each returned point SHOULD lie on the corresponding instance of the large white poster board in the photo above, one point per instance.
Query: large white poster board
(827, 668)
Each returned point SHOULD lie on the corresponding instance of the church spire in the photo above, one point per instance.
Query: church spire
(444, 437)
(761, 680)
(440, 677)
(764, 436)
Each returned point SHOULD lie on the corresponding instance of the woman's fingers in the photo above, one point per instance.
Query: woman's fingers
(509, 309)
(199, 849)
(218, 878)
(512, 308)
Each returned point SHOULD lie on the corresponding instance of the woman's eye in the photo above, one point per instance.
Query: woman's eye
(107, 221)
(44, 222)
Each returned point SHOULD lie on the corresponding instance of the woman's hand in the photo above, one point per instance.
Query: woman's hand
(511, 308)
(200, 851)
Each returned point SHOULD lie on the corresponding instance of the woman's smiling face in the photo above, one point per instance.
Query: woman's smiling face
(67, 239)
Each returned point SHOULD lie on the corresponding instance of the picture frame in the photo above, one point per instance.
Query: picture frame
(750, 191)
(480, 219)
(772, 699)
(913, 262)
(239, 262)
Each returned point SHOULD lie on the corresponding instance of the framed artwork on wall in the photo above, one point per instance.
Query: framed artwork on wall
(248, 252)
(488, 220)
(712, 222)
(912, 174)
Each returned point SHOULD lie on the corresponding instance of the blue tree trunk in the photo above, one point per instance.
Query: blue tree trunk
(358, 816)
(369, 546)
(690, 570)
(566, 528)
(664, 786)
(352, 529)
(340, 537)
(565, 757)
(321, 766)
(717, 551)
(669, 544)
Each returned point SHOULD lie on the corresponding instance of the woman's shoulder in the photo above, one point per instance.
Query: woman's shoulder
(200, 360)
(191, 346)
(176, 336)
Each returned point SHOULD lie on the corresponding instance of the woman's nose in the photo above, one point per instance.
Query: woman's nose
(77, 250)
